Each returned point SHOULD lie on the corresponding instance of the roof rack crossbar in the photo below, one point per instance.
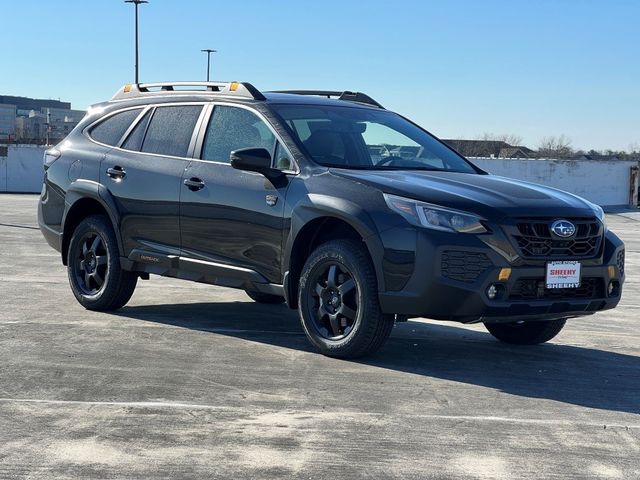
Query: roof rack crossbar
(236, 89)
(347, 95)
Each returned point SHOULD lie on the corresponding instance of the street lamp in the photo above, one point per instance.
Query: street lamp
(136, 3)
(208, 52)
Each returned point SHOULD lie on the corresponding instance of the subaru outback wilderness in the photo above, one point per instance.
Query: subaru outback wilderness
(350, 213)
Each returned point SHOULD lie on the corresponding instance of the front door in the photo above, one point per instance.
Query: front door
(228, 216)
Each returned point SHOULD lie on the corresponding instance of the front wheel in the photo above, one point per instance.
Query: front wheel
(93, 264)
(338, 301)
(526, 333)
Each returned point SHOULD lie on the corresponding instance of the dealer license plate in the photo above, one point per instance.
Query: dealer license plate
(563, 274)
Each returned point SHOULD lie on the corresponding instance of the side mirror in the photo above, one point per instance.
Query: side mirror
(254, 160)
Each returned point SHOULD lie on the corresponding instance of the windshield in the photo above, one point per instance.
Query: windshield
(351, 137)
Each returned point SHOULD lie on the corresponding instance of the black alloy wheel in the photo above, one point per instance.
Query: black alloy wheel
(91, 263)
(333, 301)
(338, 301)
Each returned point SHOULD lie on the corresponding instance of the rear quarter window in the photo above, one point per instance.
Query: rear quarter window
(111, 130)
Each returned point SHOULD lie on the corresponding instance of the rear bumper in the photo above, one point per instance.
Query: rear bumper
(454, 287)
(52, 235)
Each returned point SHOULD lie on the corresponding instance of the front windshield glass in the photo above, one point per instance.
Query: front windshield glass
(352, 137)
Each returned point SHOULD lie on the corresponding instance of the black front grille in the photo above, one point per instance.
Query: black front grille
(620, 261)
(534, 239)
(464, 266)
(535, 288)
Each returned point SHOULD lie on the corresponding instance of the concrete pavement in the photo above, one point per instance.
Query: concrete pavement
(196, 381)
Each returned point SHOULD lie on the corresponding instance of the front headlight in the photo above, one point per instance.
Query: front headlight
(422, 214)
(600, 214)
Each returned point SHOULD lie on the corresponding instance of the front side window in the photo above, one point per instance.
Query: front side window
(364, 138)
(282, 159)
(233, 128)
(111, 130)
(170, 130)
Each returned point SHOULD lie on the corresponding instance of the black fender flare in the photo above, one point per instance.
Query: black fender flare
(315, 206)
(87, 189)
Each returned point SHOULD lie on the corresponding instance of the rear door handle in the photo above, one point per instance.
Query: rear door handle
(117, 173)
(194, 184)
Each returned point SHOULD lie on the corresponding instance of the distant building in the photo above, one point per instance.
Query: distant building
(490, 149)
(29, 120)
(7, 122)
(589, 156)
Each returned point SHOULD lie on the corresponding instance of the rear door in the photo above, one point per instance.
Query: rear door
(230, 216)
(144, 177)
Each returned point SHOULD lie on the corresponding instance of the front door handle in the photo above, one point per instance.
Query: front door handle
(117, 173)
(194, 184)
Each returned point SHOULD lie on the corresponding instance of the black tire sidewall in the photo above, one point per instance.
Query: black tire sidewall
(368, 314)
(528, 333)
(101, 226)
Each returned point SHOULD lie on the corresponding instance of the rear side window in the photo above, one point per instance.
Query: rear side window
(134, 140)
(232, 128)
(170, 130)
(110, 131)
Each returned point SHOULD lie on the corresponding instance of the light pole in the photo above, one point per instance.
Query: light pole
(208, 51)
(136, 3)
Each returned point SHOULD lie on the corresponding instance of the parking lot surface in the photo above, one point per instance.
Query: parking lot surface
(197, 381)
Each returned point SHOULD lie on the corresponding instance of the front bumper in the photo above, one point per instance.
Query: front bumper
(453, 286)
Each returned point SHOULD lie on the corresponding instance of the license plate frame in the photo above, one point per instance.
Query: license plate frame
(563, 274)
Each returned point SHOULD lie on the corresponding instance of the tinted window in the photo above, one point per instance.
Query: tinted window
(233, 128)
(170, 130)
(366, 138)
(282, 159)
(110, 131)
(134, 140)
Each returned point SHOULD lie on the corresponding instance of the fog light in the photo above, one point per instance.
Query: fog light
(614, 288)
(495, 291)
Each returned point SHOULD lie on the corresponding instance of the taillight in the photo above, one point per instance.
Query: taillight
(51, 156)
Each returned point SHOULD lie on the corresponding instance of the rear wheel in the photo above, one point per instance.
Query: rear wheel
(526, 333)
(338, 301)
(93, 266)
(264, 297)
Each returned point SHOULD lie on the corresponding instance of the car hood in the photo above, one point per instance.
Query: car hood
(490, 196)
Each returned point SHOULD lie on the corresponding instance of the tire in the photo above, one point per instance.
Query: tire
(526, 333)
(93, 266)
(264, 297)
(353, 325)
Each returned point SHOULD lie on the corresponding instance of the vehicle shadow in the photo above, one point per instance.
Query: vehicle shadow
(576, 375)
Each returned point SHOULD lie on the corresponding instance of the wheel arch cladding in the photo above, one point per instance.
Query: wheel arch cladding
(86, 198)
(327, 218)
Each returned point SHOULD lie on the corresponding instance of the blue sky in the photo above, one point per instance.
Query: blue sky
(460, 68)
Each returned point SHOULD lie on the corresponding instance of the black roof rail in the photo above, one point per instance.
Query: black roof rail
(235, 89)
(346, 95)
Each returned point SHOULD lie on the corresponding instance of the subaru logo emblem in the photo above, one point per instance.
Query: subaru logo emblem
(563, 228)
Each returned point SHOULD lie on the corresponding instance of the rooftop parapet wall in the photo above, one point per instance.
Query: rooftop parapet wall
(607, 183)
(21, 170)
(604, 182)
